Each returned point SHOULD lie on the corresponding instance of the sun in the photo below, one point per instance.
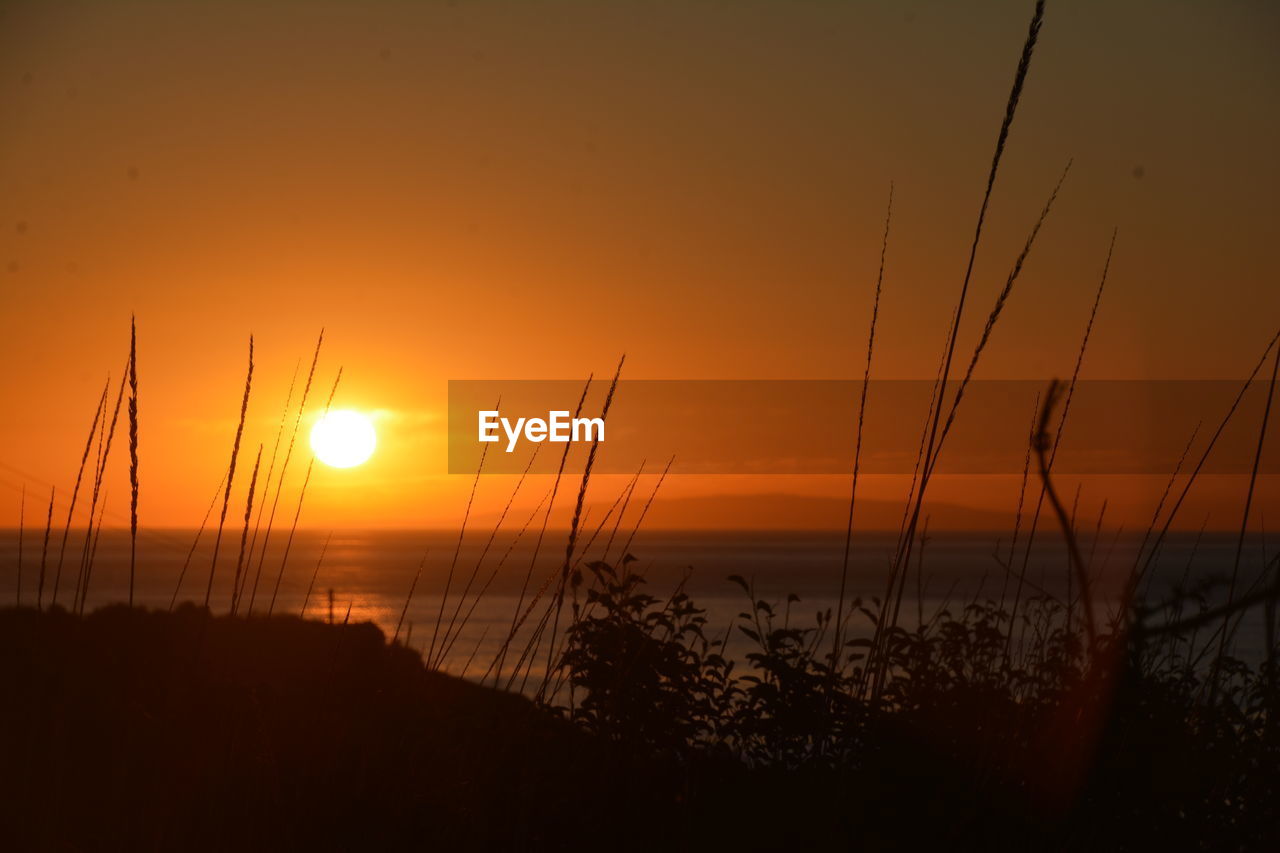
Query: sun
(343, 438)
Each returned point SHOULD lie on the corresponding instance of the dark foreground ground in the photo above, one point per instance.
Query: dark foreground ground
(136, 730)
(145, 730)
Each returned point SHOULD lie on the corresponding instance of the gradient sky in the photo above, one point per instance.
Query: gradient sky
(526, 190)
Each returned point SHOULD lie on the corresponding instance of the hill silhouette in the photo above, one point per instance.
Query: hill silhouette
(129, 729)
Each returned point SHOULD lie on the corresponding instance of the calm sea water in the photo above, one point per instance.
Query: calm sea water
(369, 574)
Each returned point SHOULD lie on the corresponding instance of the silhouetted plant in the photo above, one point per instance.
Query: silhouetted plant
(647, 672)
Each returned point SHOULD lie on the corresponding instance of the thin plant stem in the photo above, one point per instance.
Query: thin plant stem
(75, 492)
(311, 586)
(857, 446)
(1244, 524)
(244, 532)
(195, 542)
(457, 550)
(231, 474)
(302, 494)
(284, 468)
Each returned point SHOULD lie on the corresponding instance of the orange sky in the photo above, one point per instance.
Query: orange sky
(519, 190)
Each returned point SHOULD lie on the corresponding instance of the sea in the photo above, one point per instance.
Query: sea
(456, 598)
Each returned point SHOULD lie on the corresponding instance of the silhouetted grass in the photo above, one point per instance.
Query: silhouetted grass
(457, 552)
(22, 535)
(446, 643)
(302, 494)
(133, 455)
(105, 439)
(857, 444)
(991, 724)
(271, 467)
(575, 524)
(520, 613)
(44, 550)
(195, 542)
(306, 599)
(244, 532)
(231, 475)
(1225, 635)
(284, 468)
(75, 491)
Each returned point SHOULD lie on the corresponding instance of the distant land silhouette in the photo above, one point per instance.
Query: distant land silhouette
(781, 511)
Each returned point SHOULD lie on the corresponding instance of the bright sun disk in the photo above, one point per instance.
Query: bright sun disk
(343, 438)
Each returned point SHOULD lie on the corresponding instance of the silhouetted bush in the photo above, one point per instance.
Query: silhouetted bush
(972, 737)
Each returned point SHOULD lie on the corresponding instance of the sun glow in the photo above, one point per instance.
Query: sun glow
(343, 438)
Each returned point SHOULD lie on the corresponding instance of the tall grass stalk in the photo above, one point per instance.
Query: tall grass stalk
(622, 513)
(615, 511)
(408, 599)
(466, 667)
(75, 492)
(1062, 420)
(104, 452)
(231, 475)
(1097, 537)
(624, 556)
(515, 540)
(577, 513)
(1011, 108)
(1143, 562)
(93, 551)
(1168, 489)
(1022, 496)
(324, 549)
(519, 614)
(186, 564)
(271, 467)
(857, 444)
(133, 455)
(87, 544)
(302, 496)
(446, 641)
(935, 389)
(644, 510)
(894, 575)
(921, 584)
(623, 499)
(22, 529)
(244, 532)
(1244, 524)
(284, 468)
(44, 550)
(1043, 443)
(935, 415)
(992, 318)
(457, 551)
(288, 543)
